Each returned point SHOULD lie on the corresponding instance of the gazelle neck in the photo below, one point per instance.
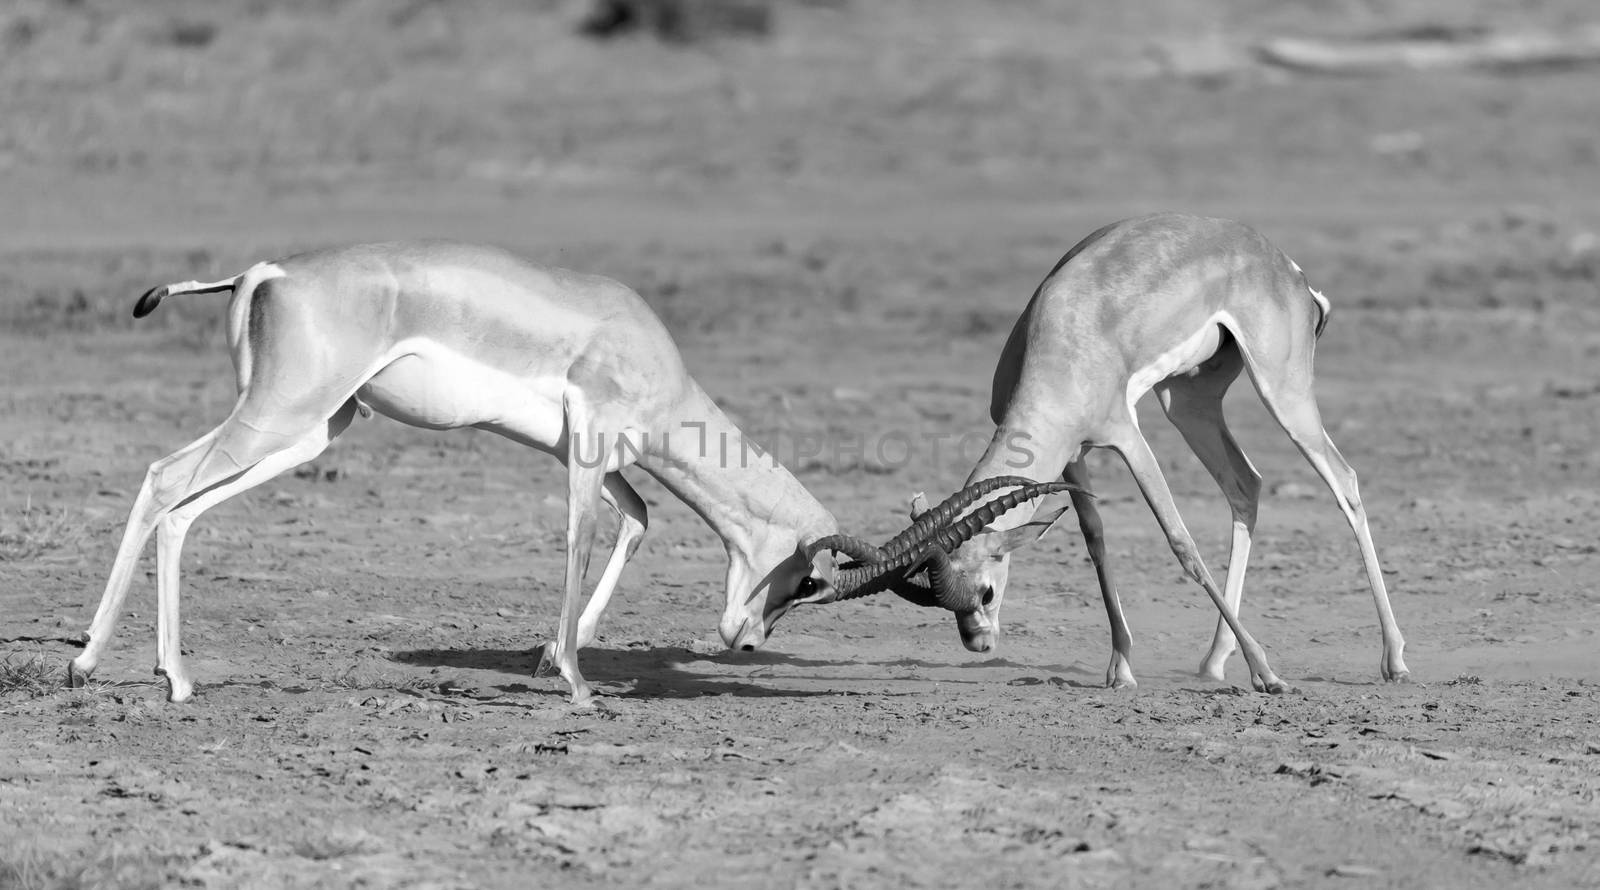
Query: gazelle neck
(744, 494)
(1037, 454)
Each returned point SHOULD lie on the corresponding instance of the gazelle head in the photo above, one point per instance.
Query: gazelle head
(982, 565)
(778, 574)
(966, 560)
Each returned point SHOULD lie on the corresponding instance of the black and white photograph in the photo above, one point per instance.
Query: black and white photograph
(809, 444)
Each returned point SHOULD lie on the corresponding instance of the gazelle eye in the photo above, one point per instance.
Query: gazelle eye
(808, 586)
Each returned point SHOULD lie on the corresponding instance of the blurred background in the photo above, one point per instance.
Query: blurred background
(162, 117)
(233, 129)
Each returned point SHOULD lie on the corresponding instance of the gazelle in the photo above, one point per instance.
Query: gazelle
(1179, 304)
(444, 335)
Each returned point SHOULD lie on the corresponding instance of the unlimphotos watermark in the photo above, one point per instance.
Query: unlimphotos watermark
(837, 451)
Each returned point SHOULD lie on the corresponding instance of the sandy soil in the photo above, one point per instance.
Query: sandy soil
(839, 226)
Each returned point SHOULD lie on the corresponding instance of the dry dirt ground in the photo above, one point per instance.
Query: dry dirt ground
(839, 224)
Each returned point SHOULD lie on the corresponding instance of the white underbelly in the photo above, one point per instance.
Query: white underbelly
(1183, 357)
(433, 387)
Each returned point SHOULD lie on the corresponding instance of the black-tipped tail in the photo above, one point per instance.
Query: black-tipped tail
(153, 297)
(148, 303)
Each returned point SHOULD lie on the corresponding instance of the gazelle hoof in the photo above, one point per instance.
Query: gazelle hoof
(1120, 676)
(547, 661)
(179, 687)
(1213, 668)
(1274, 686)
(77, 678)
(178, 693)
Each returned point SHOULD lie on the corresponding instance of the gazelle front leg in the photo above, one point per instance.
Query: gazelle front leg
(1119, 674)
(584, 484)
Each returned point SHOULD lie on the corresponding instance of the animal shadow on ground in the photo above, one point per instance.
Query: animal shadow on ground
(643, 672)
(670, 671)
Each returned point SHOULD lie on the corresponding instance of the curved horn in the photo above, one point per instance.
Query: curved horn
(869, 575)
(887, 573)
(873, 577)
(962, 530)
(891, 567)
(944, 588)
(850, 545)
(860, 581)
(951, 589)
(948, 510)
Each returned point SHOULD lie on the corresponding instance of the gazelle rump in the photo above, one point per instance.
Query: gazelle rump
(1178, 304)
(445, 335)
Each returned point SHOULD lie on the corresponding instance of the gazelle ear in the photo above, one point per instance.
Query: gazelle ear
(919, 505)
(1001, 543)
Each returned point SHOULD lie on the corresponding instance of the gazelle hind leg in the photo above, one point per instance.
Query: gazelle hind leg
(1194, 405)
(1119, 674)
(1289, 398)
(633, 518)
(194, 477)
(1147, 472)
(174, 526)
(165, 484)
